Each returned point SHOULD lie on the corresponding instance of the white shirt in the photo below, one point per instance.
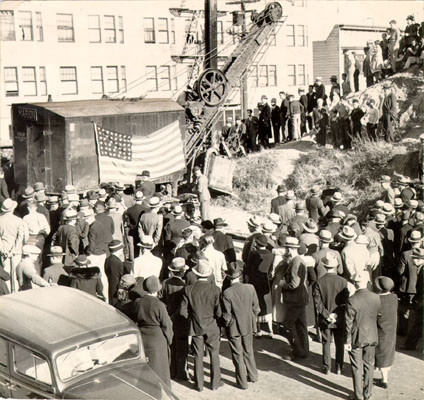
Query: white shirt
(146, 265)
(217, 262)
(36, 223)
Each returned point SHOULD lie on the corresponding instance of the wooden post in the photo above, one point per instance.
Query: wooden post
(211, 39)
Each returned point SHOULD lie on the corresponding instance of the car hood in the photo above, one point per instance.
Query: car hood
(135, 381)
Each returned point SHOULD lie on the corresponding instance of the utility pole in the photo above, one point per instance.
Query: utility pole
(211, 39)
(243, 80)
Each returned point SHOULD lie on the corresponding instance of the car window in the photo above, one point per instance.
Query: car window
(31, 365)
(86, 357)
(4, 362)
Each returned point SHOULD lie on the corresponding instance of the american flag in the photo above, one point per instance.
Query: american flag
(122, 157)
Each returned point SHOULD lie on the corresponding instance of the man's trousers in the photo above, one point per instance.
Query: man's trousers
(362, 363)
(326, 343)
(243, 358)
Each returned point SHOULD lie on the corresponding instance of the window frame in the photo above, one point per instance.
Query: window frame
(172, 30)
(162, 19)
(39, 26)
(293, 36)
(220, 31)
(149, 30)
(31, 26)
(298, 74)
(272, 75)
(167, 78)
(69, 80)
(5, 367)
(302, 36)
(65, 28)
(106, 30)
(97, 80)
(120, 29)
(11, 34)
(124, 86)
(294, 76)
(11, 93)
(116, 79)
(42, 82)
(34, 82)
(154, 69)
(91, 29)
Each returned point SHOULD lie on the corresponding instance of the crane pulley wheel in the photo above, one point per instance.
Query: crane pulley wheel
(212, 87)
(273, 12)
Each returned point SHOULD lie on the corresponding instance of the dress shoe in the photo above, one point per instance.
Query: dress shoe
(353, 397)
(199, 389)
(288, 357)
(242, 387)
(339, 370)
(252, 380)
(325, 370)
(380, 383)
(220, 384)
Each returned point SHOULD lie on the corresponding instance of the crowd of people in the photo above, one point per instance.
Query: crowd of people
(310, 264)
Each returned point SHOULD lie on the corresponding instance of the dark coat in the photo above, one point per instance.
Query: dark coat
(276, 202)
(224, 244)
(201, 304)
(191, 278)
(172, 296)
(114, 269)
(240, 308)
(294, 288)
(389, 106)
(275, 116)
(87, 280)
(133, 215)
(97, 243)
(108, 227)
(247, 247)
(173, 230)
(330, 296)
(284, 111)
(4, 194)
(4, 277)
(67, 238)
(265, 116)
(386, 324)
(315, 207)
(252, 126)
(407, 273)
(361, 315)
(148, 188)
(57, 273)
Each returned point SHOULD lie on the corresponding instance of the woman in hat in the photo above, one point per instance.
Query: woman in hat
(86, 278)
(155, 327)
(123, 295)
(386, 324)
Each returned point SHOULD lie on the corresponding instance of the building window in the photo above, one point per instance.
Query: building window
(152, 78)
(94, 31)
(165, 78)
(65, 27)
(263, 76)
(291, 75)
(301, 74)
(25, 25)
(120, 29)
(174, 77)
(68, 78)
(220, 32)
(43, 81)
(272, 75)
(29, 81)
(163, 32)
(172, 31)
(97, 80)
(301, 36)
(149, 30)
(7, 25)
(291, 41)
(123, 78)
(11, 81)
(112, 80)
(38, 27)
(109, 29)
(272, 39)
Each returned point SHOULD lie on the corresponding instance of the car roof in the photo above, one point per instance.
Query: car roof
(57, 317)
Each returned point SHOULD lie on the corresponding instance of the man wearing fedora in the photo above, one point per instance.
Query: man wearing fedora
(106, 221)
(361, 336)
(172, 296)
(334, 225)
(202, 191)
(118, 222)
(287, 211)
(147, 264)
(26, 271)
(201, 305)
(390, 112)
(56, 273)
(309, 237)
(337, 203)
(216, 258)
(13, 237)
(407, 193)
(279, 200)
(26, 197)
(354, 256)
(254, 226)
(388, 195)
(145, 185)
(330, 295)
(67, 237)
(223, 242)
(240, 308)
(151, 223)
(114, 269)
(174, 228)
(296, 224)
(296, 298)
(314, 204)
(325, 239)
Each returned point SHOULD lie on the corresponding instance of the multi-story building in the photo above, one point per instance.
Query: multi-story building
(71, 50)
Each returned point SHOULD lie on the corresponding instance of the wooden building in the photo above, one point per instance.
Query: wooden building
(328, 58)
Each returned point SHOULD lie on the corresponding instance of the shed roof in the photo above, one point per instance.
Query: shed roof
(364, 28)
(88, 108)
(48, 317)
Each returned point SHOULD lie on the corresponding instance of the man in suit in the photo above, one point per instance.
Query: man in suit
(174, 228)
(201, 305)
(330, 295)
(106, 221)
(202, 191)
(320, 90)
(389, 112)
(265, 122)
(276, 120)
(361, 336)
(151, 223)
(145, 185)
(223, 242)
(284, 115)
(279, 200)
(388, 195)
(252, 125)
(240, 309)
(295, 296)
(114, 269)
(314, 204)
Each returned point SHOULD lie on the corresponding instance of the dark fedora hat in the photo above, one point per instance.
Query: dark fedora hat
(384, 284)
(152, 284)
(235, 269)
(217, 222)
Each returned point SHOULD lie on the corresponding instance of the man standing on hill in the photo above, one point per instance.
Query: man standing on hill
(389, 112)
(202, 191)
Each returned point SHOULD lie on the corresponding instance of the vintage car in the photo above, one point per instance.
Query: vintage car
(59, 342)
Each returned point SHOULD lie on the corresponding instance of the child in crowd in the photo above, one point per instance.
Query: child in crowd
(372, 120)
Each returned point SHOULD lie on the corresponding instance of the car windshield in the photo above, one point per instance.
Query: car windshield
(87, 357)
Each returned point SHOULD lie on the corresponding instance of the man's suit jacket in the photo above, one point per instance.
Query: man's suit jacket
(133, 215)
(224, 244)
(108, 225)
(275, 115)
(150, 224)
(265, 116)
(4, 194)
(361, 315)
(276, 202)
(284, 110)
(148, 188)
(201, 304)
(294, 288)
(252, 126)
(240, 307)
(67, 238)
(114, 269)
(172, 296)
(174, 229)
(389, 105)
(315, 207)
(97, 244)
(407, 272)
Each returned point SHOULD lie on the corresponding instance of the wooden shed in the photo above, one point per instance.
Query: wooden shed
(55, 143)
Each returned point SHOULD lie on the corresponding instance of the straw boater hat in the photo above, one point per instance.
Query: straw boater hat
(325, 236)
(330, 260)
(413, 204)
(291, 242)
(28, 193)
(38, 186)
(337, 197)
(152, 284)
(310, 226)
(235, 269)
(178, 265)
(348, 233)
(73, 197)
(404, 181)
(102, 194)
(88, 212)
(53, 200)
(119, 187)
(380, 219)
(300, 205)
(139, 195)
(379, 203)
(8, 205)
(387, 209)
(147, 242)
(70, 189)
(315, 190)
(275, 218)
(111, 204)
(202, 269)
(30, 249)
(178, 210)
(415, 237)
(70, 213)
(154, 202)
(56, 251)
(82, 261)
(127, 281)
(268, 227)
(115, 245)
(384, 284)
